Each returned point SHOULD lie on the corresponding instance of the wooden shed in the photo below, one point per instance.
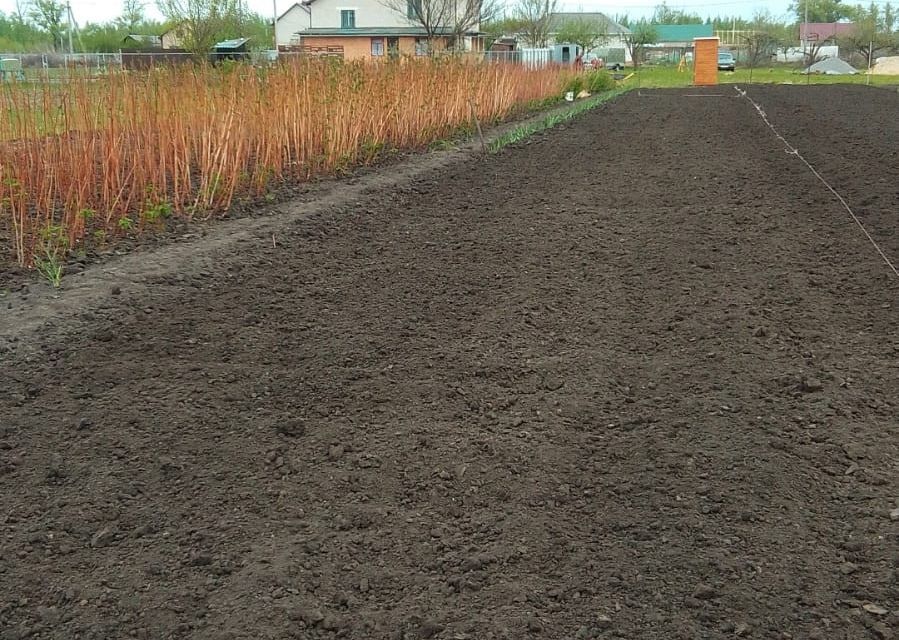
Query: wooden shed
(705, 61)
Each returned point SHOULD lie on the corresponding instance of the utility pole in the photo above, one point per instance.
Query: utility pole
(808, 62)
(69, 15)
(275, 23)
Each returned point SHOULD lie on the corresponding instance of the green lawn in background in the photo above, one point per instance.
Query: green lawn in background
(652, 76)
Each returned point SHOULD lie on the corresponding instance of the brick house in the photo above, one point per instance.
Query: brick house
(358, 29)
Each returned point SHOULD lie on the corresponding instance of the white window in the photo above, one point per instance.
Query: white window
(421, 46)
(377, 46)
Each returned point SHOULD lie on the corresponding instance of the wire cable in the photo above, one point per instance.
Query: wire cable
(794, 151)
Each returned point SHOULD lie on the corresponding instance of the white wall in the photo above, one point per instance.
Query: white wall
(369, 13)
(797, 54)
(294, 19)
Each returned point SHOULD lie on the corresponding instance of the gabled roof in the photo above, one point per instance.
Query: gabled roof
(821, 31)
(682, 32)
(235, 43)
(606, 25)
(144, 39)
(302, 6)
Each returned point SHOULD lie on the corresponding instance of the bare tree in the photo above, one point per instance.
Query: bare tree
(536, 18)
(642, 34)
(760, 46)
(449, 19)
(132, 15)
(200, 23)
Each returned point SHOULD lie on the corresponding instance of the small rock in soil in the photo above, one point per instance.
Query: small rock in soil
(291, 428)
(535, 625)
(335, 451)
(83, 424)
(692, 603)
(309, 615)
(811, 385)
(429, 629)
(102, 538)
(894, 514)
(876, 609)
(330, 623)
(603, 621)
(704, 592)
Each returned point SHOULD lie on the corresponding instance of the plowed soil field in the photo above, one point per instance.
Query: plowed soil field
(635, 378)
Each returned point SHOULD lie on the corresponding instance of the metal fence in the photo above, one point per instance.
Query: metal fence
(532, 58)
(62, 65)
(90, 62)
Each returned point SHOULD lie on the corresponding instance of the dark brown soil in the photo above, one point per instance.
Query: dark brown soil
(636, 378)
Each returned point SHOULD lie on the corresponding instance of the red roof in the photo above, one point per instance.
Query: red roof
(821, 31)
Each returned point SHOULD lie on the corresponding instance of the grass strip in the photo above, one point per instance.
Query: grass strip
(526, 130)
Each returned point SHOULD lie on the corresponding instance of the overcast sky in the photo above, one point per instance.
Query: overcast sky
(101, 11)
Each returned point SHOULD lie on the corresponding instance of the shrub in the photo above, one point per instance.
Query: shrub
(598, 81)
(575, 84)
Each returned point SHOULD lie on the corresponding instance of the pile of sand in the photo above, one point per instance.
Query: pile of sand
(886, 66)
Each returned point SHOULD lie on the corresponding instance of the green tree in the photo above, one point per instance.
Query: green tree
(642, 34)
(870, 34)
(889, 18)
(19, 36)
(499, 27)
(199, 24)
(50, 17)
(587, 33)
(821, 10)
(100, 38)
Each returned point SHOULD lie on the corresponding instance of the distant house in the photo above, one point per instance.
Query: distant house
(820, 32)
(681, 35)
(141, 41)
(366, 30)
(288, 25)
(171, 38)
(611, 49)
(675, 41)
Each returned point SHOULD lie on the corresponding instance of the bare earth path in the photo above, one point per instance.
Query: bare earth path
(638, 378)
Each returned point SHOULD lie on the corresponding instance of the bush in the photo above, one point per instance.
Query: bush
(575, 84)
(598, 81)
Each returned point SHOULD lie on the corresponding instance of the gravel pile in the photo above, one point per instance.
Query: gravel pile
(832, 66)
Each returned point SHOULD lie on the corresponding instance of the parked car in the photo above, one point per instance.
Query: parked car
(592, 61)
(726, 61)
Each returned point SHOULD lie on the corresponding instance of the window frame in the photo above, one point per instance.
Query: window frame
(383, 47)
(347, 18)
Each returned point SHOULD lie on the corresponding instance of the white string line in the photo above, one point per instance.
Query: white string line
(794, 151)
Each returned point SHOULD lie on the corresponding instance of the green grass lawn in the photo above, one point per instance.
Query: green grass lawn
(669, 76)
